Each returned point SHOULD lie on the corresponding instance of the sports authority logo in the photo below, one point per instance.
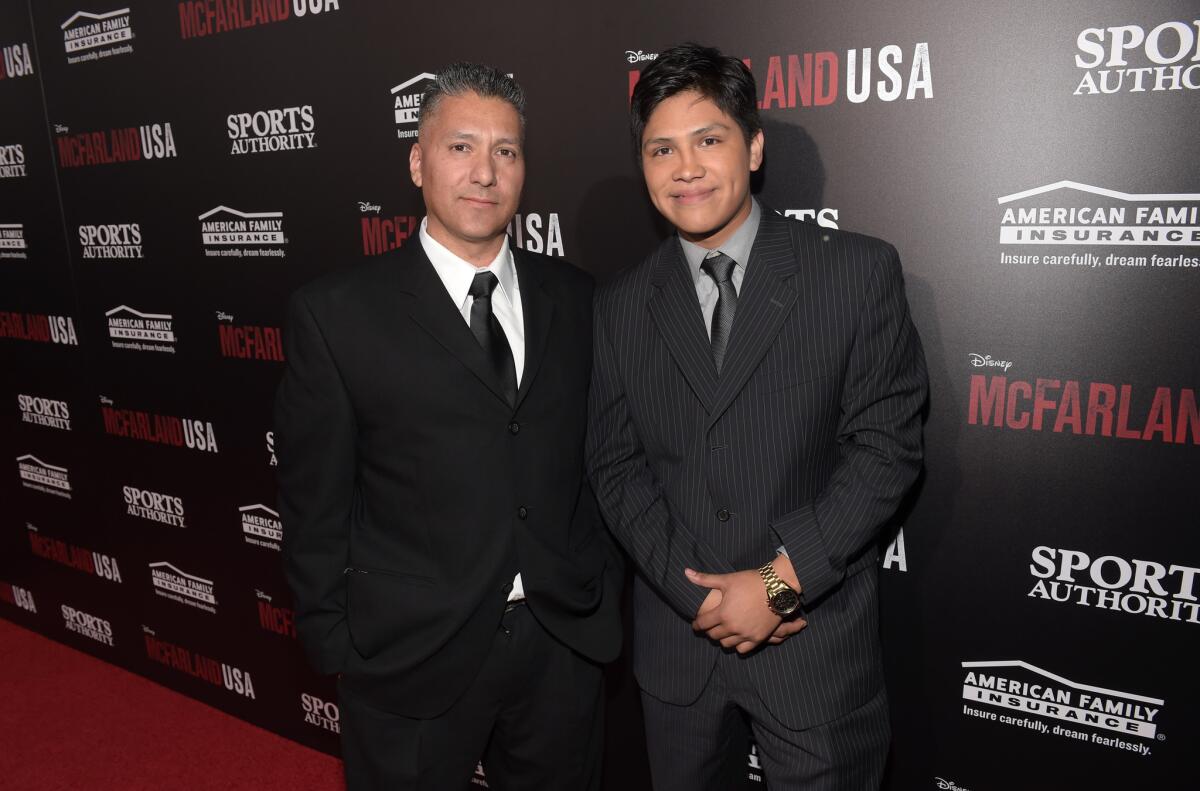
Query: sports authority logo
(1037, 696)
(824, 217)
(17, 597)
(265, 131)
(79, 558)
(219, 674)
(118, 144)
(1127, 58)
(229, 232)
(12, 241)
(49, 412)
(1094, 409)
(200, 18)
(88, 36)
(40, 476)
(180, 432)
(261, 526)
(406, 103)
(815, 79)
(38, 327)
(537, 233)
(179, 586)
(165, 509)
(15, 61)
(382, 234)
(87, 625)
(323, 714)
(142, 332)
(111, 241)
(12, 161)
(1070, 213)
(249, 341)
(280, 620)
(1135, 587)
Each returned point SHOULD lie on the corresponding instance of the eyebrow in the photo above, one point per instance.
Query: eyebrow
(464, 135)
(696, 133)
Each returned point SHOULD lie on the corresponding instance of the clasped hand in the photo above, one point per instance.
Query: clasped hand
(735, 612)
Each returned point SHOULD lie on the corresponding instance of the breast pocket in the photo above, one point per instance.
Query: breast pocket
(800, 372)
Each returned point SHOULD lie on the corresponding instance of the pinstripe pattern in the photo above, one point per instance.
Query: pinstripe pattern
(809, 437)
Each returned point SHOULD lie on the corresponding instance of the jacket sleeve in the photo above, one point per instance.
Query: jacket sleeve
(879, 439)
(630, 497)
(315, 444)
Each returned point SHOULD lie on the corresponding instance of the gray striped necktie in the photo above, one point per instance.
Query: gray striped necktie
(720, 268)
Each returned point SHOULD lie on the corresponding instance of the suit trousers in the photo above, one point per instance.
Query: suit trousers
(534, 714)
(690, 746)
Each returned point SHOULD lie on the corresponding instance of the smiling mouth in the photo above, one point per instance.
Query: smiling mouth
(692, 197)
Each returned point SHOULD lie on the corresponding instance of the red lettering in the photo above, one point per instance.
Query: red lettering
(986, 404)
(1010, 416)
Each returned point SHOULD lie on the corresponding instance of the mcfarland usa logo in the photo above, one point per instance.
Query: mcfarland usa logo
(181, 432)
(272, 460)
(537, 233)
(142, 332)
(12, 161)
(264, 131)
(249, 341)
(49, 412)
(261, 526)
(323, 714)
(15, 61)
(820, 79)
(200, 18)
(88, 36)
(1080, 215)
(1109, 582)
(280, 620)
(17, 597)
(120, 144)
(89, 626)
(383, 234)
(1046, 703)
(12, 241)
(179, 586)
(1093, 409)
(38, 327)
(1130, 59)
(229, 232)
(47, 478)
(86, 560)
(165, 509)
(219, 674)
(111, 241)
(406, 102)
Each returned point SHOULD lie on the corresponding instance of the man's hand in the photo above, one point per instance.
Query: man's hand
(735, 613)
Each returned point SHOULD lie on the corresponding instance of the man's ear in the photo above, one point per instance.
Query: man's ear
(756, 150)
(414, 164)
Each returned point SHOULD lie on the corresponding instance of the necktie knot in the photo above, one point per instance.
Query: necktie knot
(483, 285)
(719, 267)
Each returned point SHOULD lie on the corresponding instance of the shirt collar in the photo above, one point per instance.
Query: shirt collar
(736, 247)
(457, 274)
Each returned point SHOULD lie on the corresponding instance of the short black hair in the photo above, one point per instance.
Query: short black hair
(462, 78)
(693, 67)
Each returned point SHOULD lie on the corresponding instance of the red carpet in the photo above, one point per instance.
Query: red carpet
(68, 721)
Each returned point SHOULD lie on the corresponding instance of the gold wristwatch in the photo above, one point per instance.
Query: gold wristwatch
(782, 600)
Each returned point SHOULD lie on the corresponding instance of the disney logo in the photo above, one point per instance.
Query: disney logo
(365, 207)
(61, 129)
(637, 57)
(106, 400)
(949, 785)
(223, 316)
(261, 595)
(986, 361)
(147, 629)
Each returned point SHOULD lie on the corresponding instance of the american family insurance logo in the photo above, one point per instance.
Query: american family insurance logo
(88, 36)
(261, 526)
(12, 241)
(179, 586)
(1130, 59)
(230, 232)
(406, 103)
(43, 477)
(137, 331)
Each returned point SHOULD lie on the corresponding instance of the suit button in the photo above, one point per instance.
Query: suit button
(522, 512)
(514, 428)
(723, 515)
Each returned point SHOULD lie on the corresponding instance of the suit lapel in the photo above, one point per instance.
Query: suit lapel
(676, 312)
(537, 312)
(430, 307)
(766, 298)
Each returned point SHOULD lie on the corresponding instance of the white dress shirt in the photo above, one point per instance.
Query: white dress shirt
(457, 276)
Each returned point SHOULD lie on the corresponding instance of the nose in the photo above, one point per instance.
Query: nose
(688, 166)
(483, 170)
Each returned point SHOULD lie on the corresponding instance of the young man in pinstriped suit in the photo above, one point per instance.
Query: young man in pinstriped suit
(754, 420)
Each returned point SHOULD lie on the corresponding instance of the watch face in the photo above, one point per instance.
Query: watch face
(785, 602)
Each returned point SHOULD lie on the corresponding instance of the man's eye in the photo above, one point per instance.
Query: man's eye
(660, 151)
(507, 152)
(459, 147)
(710, 141)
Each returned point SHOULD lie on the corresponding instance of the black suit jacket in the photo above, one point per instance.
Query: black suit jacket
(411, 492)
(808, 439)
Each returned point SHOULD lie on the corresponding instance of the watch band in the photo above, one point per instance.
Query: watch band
(782, 605)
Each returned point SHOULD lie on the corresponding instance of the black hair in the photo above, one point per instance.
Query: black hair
(461, 78)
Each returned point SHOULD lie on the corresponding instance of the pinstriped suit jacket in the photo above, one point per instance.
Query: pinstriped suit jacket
(808, 438)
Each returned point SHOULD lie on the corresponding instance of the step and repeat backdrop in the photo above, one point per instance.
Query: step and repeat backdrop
(170, 171)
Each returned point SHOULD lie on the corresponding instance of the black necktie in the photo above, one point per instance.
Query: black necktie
(488, 332)
(720, 268)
